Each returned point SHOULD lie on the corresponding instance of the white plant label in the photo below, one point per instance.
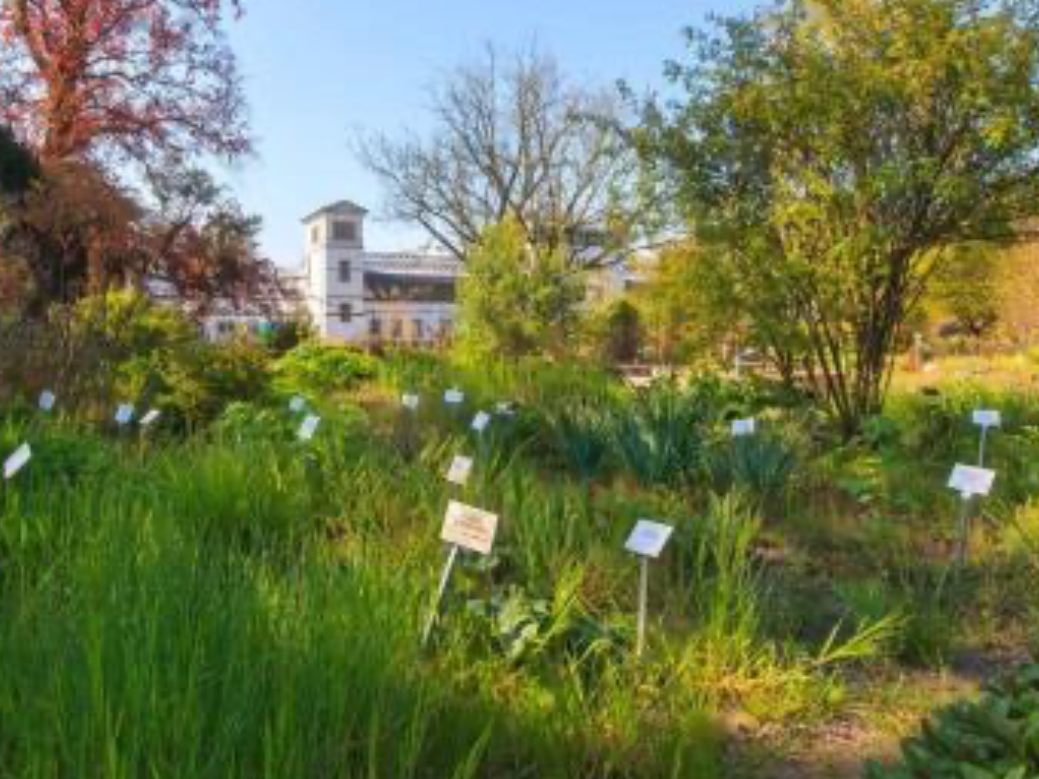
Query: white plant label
(47, 400)
(743, 427)
(410, 402)
(453, 397)
(469, 528)
(124, 414)
(150, 418)
(480, 421)
(970, 481)
(459, 471)
(987, 418)
(297, 404)
(17, 461)
(504, 408)
(648, 539)
(309, 427)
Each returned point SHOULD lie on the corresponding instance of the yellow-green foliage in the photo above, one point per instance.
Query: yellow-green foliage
(517, 298)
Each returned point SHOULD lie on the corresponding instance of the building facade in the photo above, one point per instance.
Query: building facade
(356, 296)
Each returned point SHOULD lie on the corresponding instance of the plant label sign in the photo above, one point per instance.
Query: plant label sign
(648, 539)
(150, 418)
(454, 397)
(987, 418)
(480, 421)
(17, 461)
(124, 414)
(297, 404)
(410, 402)
(459, 471)
(309, 427)
(469, 528)
(47, 400)
(970, 481)
(743, 427)
(504, 408)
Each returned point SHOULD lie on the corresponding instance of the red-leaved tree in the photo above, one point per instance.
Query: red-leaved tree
(89, 85)
(137, 79)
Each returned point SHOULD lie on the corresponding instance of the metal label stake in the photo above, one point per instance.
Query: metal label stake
(985, 419)
(969, 482)
(434, 612)
(647, 541)
(643, 605)
(964, 531)
(465, 527)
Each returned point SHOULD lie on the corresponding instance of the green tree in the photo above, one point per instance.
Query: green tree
(833, 154)
(616, 332)
(516, 299)
(966, 290)
(683, 306)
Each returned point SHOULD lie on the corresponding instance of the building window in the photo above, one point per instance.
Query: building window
(398, 329)
(375, 327)
(344, 231)
(344, 271)
(346, 313)
(418, 330)
(315, 234)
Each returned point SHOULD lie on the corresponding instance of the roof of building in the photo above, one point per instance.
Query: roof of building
(339, 207)
(412, 264)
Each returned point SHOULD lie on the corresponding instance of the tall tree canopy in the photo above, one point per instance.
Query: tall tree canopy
(831, 154)
(90, 85)
(513, 136)
(138, 79)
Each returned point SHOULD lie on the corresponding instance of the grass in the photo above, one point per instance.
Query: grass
(236, 603)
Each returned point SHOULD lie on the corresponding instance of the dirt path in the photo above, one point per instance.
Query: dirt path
(869, 728)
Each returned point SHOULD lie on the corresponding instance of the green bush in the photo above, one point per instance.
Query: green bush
(315, 368)
(996, 737)
(159, 359)
(198, 382)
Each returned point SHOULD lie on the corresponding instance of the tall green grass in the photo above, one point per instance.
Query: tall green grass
(229, 607)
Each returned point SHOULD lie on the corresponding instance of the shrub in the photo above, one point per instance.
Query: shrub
(996, 737)
(197, 383)
(159, 357)
(315, 368)
(615, 333)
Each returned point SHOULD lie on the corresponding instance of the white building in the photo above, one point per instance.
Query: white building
(353, 295)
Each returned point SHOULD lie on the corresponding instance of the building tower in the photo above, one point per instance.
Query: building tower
(334, 271)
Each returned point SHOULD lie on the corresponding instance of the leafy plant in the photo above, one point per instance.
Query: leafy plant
(318, 368)
(761, 465)
(581, 436)
(656, 438)
(996, 737)
(525, 628)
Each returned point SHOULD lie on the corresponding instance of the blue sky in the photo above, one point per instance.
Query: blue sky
(318, 71)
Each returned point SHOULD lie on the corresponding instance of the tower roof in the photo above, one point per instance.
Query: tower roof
(342, 207)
